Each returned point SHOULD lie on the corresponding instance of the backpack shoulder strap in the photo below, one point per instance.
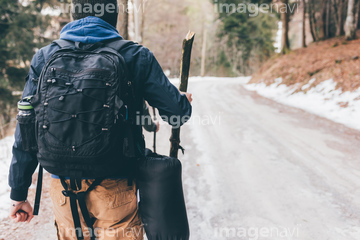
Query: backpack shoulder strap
(62, 43)
(129, 141)
(119, 44)
(38, 191)
(114, 44)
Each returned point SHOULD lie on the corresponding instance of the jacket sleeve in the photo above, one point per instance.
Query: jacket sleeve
(23, 164)
(173, 107)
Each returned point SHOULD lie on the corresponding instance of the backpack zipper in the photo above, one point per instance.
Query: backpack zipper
(84, 71)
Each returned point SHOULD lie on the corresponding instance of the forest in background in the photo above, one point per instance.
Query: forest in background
(227, 43)
(231, 40)
(323, 45)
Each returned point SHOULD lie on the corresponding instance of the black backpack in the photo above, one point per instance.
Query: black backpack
(85, 115)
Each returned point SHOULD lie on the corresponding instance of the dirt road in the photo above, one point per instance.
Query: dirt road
(267, 171)
(255, 169)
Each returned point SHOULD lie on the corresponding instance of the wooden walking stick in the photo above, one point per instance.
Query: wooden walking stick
(184, 76)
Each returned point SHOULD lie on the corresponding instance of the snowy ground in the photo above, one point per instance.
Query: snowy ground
(257, 169)
(322, 100)
(254, 169)
(5, 158)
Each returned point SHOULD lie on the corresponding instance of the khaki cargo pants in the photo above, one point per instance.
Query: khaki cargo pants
(112, 204)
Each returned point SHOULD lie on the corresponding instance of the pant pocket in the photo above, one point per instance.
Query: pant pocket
(113, 200)
(115, 193)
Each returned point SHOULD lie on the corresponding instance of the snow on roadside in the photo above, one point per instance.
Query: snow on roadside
(323, 99)
(5, 159)
(242, 80)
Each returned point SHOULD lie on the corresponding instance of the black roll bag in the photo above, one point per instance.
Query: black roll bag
(162, 204)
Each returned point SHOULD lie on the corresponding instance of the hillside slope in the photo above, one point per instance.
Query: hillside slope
(335, 59)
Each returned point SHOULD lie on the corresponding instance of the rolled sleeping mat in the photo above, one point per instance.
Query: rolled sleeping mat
(162, 204)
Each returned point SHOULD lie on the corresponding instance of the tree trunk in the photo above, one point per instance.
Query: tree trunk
(350, 25)
(322, 21)
(328, 11)
(285, 17)
(303, 25)
(142, 21)
(358, 16)
(137, 9)
(340, 28)
(203, 53)
(123, 19)
(336, 11)
(312, 21)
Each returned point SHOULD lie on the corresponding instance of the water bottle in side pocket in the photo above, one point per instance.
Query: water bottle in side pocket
(26, 120)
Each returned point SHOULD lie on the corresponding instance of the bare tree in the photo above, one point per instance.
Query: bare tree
(339, 8)
(312, 19)
(327, 26)
(350, 25)
(358, 17)
(142, 25)
(123, 19)
(203, 53)
(285, 17)
(137, 9)
(162, 37)
(321, 20)
(304, 25)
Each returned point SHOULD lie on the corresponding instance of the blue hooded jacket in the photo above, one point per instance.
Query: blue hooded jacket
(150, 83)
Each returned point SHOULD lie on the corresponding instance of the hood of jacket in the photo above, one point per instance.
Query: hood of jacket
(89, 30)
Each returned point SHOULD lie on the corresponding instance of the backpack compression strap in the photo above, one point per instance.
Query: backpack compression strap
(80, 198)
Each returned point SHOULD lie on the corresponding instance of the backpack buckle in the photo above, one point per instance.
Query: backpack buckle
(127, 113)
(65, 193)
(124, 113)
